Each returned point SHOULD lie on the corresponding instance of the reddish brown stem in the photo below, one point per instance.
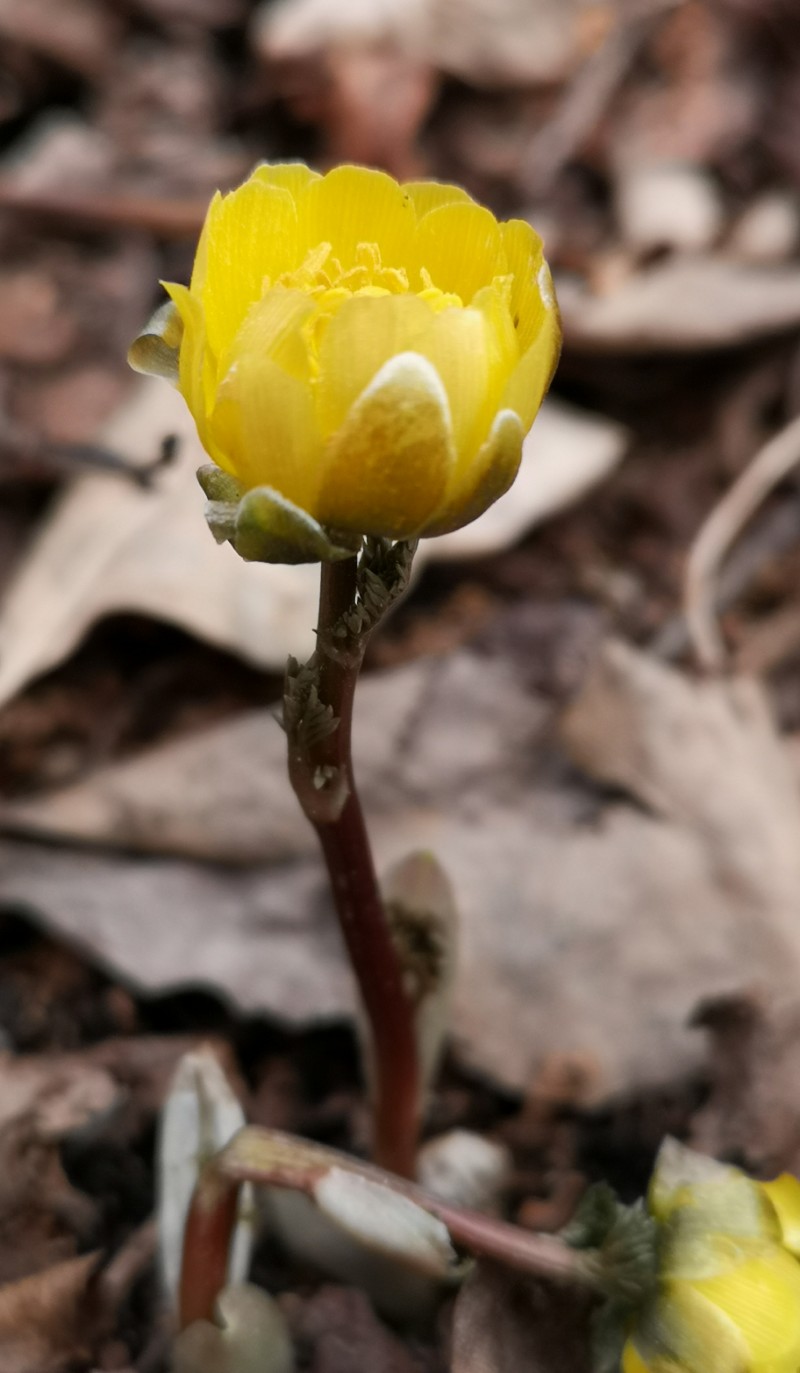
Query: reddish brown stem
(345, 845)
(206, 1245)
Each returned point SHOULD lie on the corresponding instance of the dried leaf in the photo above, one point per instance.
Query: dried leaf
(753, 1110)
(487, 42)
(553, 880)
(683, 304)
(47, 1320)
(109, 547)
(503, 1324)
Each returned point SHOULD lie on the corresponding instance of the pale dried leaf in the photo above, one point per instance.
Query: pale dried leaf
(109, 547)
(683, 304)
(488, 42)
(56, 1094)
(564, 897)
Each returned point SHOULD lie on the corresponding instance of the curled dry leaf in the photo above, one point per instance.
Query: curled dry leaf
(111, 548)
(48, 1321)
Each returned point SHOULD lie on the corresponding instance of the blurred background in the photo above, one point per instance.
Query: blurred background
(586, 706)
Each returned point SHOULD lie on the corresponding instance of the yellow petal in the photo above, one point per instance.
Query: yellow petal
(201, 253)
(265, 428)
(364, 334)
(273, 328)
(196, 373)
(461, 246)
(429, 195)
(387, 468)
(289, 176)
(632, 1361)
(784, 1194)
(529, 382)
(251, 235)
(523, 248)
(353, 205)
(489, 476)
(762, 1298)
(475, 352)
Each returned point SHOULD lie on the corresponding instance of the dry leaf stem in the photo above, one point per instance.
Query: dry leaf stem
(771, 465)
(345, 844)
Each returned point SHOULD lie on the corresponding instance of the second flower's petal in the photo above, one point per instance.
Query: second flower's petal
(387, 468)
(762, 1298)
(685, 1332)
(784, 1194)
(487, 479)
(265, 426)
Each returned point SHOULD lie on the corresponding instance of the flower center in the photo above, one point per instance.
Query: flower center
(322, 277)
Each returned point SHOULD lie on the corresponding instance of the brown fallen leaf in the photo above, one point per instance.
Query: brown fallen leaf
(48, 1321)
(753, 1110)
(108, 548)
(80, 36)
(503, 1323)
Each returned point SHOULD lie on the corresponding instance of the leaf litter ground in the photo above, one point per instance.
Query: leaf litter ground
(676, 799)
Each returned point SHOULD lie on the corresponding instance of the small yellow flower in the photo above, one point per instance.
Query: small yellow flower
(366, 356)
(728, 1299)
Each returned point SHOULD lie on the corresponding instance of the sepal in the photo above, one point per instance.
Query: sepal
(264, 527)
(156, 351)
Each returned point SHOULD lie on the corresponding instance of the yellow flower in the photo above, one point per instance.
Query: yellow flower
(365, 356)
(728, 1299)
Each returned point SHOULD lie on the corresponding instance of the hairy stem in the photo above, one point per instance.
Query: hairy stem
(322, 775)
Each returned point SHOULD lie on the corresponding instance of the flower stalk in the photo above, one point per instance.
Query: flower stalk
(270, 1158)
(318, 717)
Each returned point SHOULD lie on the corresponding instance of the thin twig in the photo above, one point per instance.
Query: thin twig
(588, 95)
(770, 466)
